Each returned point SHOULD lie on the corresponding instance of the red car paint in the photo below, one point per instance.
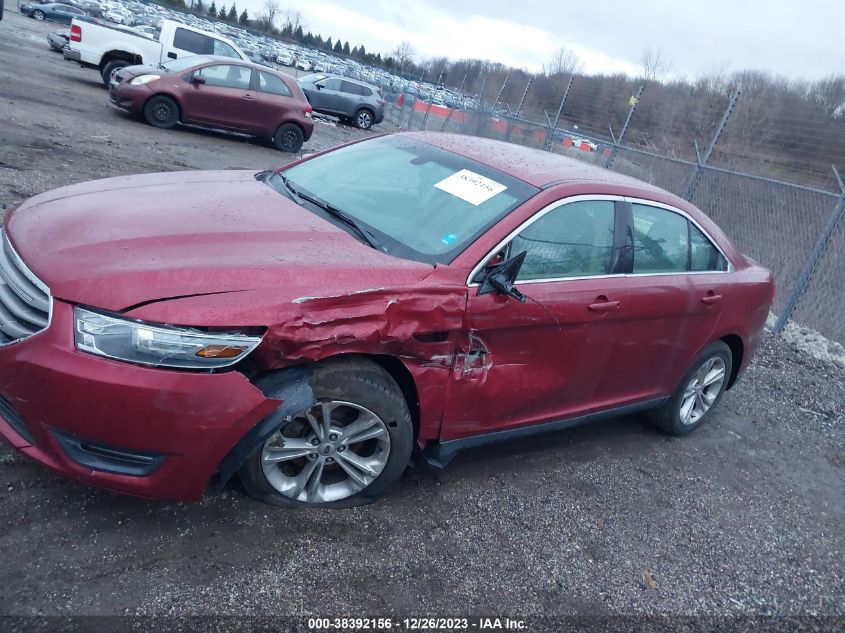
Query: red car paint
(248, 110)
(219, 249)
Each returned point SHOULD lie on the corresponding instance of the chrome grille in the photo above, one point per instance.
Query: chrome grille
(25, 301)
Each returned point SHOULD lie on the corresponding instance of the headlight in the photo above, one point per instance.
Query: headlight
(140, 80)
(158, 345)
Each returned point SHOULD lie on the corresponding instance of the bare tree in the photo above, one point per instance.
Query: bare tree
(269, 14)
(564, 61)
(293, 20)
(403, 54)
(654, 63)
(829, 93)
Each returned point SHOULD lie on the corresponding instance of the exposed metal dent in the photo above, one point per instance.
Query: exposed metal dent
(292, 389)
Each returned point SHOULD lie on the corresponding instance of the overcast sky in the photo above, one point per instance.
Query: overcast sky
(795, 38)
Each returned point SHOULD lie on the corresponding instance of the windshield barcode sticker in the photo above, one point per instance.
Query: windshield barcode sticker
(470, 187)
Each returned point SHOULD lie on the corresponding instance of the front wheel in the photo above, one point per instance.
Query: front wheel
(289, 138)
(345, 450)
(161, 111)
(699, 392)
(38, 15)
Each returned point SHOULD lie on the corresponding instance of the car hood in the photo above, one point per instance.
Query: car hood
(141, 69)
(123, 241)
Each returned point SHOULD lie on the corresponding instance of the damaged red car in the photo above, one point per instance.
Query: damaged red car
(309, 329)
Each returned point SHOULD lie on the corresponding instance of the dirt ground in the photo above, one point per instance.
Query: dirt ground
(743, 517)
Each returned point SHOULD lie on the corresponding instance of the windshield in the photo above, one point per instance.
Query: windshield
(178, 65)
(421, 202)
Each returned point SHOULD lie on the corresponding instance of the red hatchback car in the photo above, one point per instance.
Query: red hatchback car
(309, 328)
(217, 92)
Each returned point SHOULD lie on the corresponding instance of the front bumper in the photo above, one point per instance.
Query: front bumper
(170, 429)
(126, 96)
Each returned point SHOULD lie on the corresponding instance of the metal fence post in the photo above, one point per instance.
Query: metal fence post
(427, 110)
(553, 126)
(618, 141)
(518, 110)
(812, 263)
(452, 109)
(702, 162)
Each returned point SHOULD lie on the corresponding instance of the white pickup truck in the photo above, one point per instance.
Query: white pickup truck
(108, 48)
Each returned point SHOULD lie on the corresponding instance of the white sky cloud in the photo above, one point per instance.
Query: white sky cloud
(799, 40)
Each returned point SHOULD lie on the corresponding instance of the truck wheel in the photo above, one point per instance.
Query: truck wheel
(288, 138)
(161, 111)
(345, 450)
(111, 67)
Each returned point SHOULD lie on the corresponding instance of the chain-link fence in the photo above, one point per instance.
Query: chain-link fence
(784, 212)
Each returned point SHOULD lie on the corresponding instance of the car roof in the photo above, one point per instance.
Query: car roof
(536, 167)
(349, 79)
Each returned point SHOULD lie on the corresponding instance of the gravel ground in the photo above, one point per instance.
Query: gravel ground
(743, 517)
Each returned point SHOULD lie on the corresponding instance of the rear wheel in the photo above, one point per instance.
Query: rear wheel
(161, 111)
(289, 138)
(110, 67)
(699, 392)
(363, 119)
(346, 450)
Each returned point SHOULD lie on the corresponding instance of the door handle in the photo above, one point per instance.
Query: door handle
(711, 298)
(603, 306)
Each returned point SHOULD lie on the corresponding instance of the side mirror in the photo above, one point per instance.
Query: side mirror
(319, 86)
(198, 79)
(501, 278)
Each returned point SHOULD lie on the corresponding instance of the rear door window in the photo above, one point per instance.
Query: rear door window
(273, 85)
(351, 88)
(667, 242)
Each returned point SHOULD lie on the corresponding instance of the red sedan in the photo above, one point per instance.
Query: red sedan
(309, 328)
(217, 92)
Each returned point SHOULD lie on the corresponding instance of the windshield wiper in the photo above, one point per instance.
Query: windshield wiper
(298, 195)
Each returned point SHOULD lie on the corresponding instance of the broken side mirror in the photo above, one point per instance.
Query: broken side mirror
(502, 277)
(198, 79)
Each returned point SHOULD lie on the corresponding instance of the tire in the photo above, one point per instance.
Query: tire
(161, 111)
(355, 392)
(289, 138)
(38, 14)
(364, 119)
(678, 417)
(110, 67)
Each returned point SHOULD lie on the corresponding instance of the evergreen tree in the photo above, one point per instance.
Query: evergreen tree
(362, 52)
(232, 15)
(337, 47)
(298, 34)
(212, 10)
(355, 52)
(317, 41)
(328, 44)
(244, 19)
(199, 7)
(346, 48)
(222, 13)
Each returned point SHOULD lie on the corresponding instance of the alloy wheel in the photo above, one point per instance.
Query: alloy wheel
(327, 453)
(364, 120)
(702, 390)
